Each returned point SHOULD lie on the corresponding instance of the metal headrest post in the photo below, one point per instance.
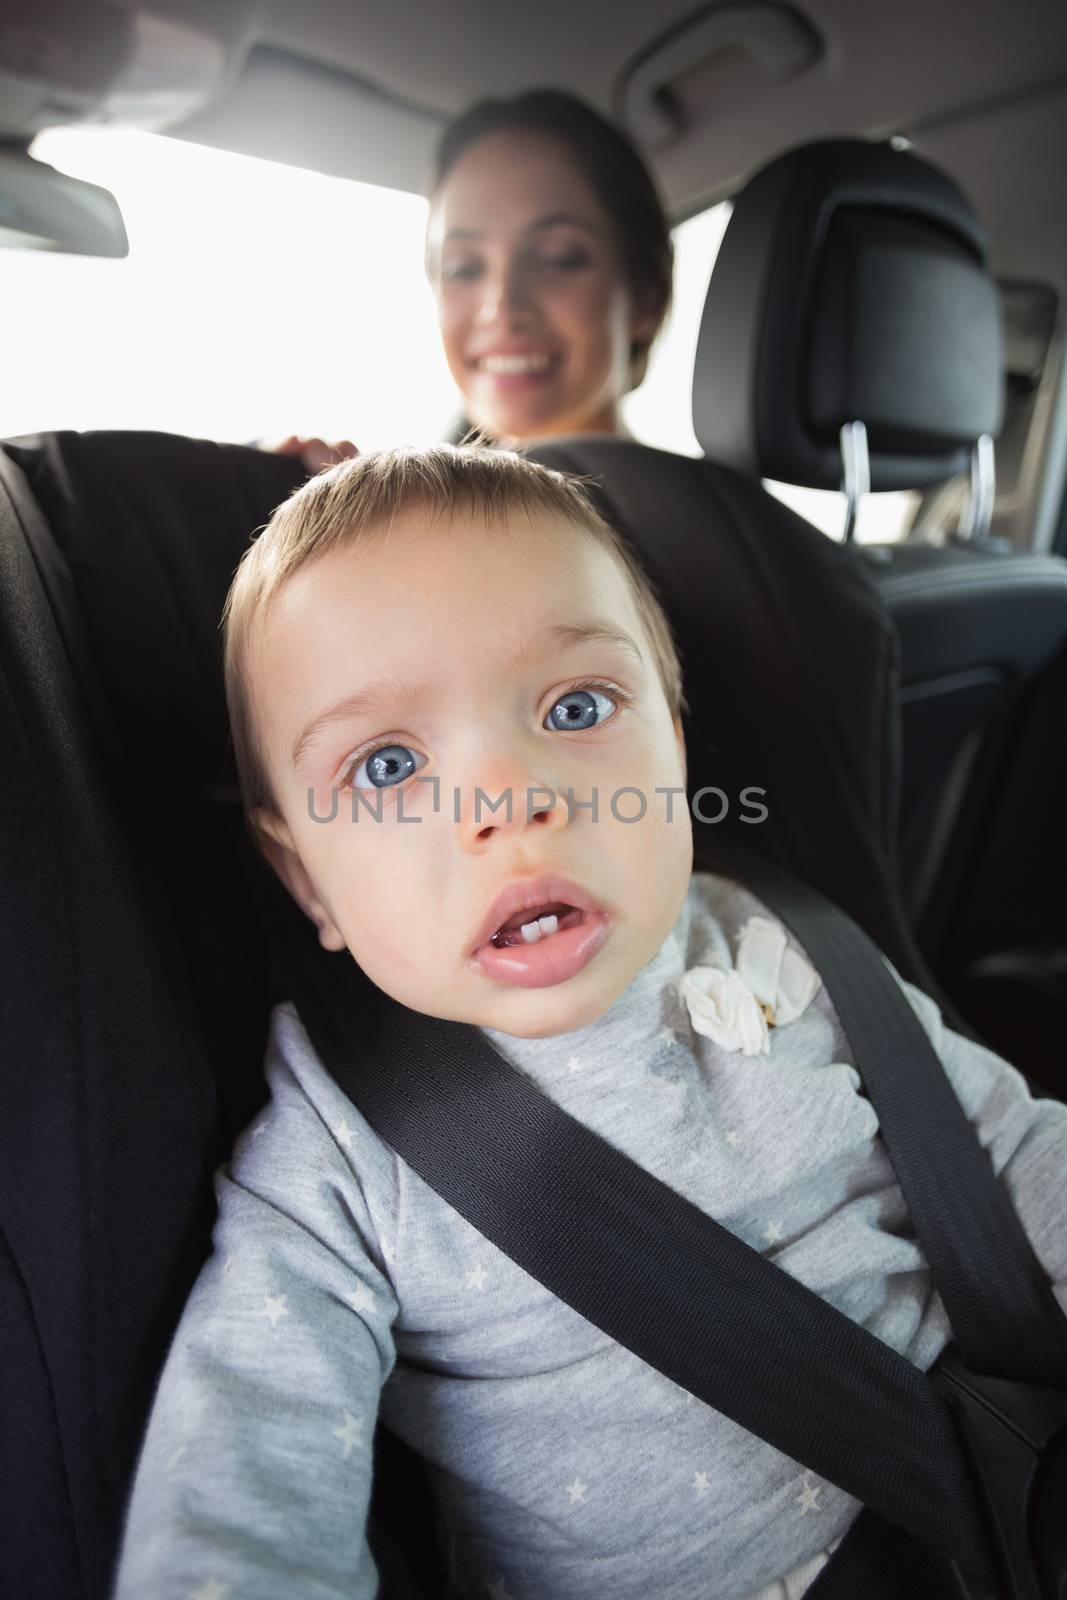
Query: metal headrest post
(857, 471)
(978, 513)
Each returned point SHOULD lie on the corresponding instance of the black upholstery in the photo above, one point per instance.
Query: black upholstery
(137, 985)
(975, 627)
(852, 283)
(134, 1005)
(1005, 943)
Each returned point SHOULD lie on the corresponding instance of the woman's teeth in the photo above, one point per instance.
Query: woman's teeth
(512, 366)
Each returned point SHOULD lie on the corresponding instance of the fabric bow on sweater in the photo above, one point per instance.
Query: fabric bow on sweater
(769, 986)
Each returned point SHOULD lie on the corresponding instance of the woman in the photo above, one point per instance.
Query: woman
(550, 257)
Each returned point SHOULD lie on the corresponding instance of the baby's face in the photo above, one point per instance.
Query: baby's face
(453, 658)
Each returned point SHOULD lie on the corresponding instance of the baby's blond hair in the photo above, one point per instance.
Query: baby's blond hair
(367, 494)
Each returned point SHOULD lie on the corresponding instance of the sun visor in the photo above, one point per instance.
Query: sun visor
(283, 107)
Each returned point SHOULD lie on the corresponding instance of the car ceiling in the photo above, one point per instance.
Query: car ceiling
(360, 89)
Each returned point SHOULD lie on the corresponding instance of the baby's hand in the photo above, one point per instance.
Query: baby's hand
(315, 453)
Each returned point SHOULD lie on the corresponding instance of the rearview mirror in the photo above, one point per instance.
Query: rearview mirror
(42, 209)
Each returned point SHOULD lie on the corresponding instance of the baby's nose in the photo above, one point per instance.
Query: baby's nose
(507, 809)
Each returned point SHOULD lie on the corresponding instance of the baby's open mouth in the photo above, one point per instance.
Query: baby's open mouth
(541, 942)
(536, 923)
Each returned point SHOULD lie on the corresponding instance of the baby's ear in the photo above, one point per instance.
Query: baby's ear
(276, 843)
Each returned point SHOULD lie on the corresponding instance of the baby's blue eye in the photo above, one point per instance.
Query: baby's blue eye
(579, 708)
(388, 765)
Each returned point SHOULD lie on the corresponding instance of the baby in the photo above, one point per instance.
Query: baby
(456, 711)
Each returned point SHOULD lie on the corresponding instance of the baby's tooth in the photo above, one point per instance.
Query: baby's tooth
(530, 932)
(548, 924)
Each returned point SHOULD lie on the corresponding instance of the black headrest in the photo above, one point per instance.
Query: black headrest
(852, 284)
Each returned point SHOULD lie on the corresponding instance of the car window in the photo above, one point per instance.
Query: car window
(257, 300)
(660, 412)
(881, 519)
(260, 300)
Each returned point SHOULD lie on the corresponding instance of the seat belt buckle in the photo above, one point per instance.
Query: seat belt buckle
(1014, 1438)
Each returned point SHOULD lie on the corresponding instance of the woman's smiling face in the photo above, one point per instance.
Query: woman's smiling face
(536, 317)
(450, 659)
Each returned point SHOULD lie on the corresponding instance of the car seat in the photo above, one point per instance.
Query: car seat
(138, 982)
(131, 1040)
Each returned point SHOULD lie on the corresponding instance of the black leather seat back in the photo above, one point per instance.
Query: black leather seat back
(111, 1122)
(130, 1040)
(976, 627)
(151, 527)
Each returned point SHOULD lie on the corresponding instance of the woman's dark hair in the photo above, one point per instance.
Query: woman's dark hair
(612, 168)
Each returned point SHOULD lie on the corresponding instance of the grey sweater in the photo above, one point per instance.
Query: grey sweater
(564, 1468)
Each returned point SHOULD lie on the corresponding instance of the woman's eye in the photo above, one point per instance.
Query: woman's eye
(390, 764)
(460, 271)
(580, 708)
(569, 261)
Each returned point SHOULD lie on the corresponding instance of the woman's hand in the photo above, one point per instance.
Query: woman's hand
(315, 453)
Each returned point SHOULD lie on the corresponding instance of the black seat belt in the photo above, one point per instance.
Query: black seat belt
(686, 1295)
(1008, 1399)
